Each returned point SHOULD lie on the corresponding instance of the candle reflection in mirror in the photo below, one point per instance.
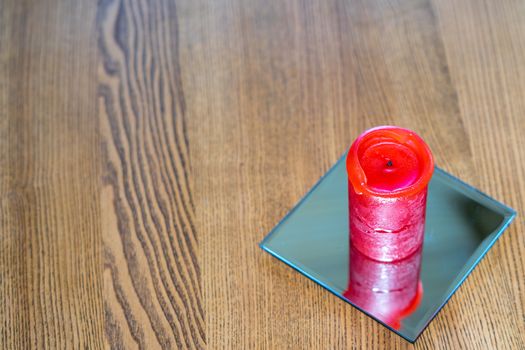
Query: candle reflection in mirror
(389, 291)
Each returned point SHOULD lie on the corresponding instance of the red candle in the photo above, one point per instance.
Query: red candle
(389, 291)
(388, 173)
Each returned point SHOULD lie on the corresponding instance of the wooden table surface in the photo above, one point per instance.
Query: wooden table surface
(146, 147)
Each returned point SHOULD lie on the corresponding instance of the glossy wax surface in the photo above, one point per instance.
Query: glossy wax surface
(388, 172)
(387, 229)
(390, 166)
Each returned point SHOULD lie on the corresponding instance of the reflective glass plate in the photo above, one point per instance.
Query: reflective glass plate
(462, 224)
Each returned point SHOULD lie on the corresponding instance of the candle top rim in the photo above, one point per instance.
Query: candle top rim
(402, 136)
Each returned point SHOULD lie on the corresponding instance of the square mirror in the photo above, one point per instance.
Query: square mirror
(461, 225)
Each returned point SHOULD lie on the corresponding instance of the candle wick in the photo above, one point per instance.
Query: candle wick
(389, 163)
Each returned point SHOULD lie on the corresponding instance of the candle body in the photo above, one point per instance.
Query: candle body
(387, 229)
(389, 291)
(388, 173)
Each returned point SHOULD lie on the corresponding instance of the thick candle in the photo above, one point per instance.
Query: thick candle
(388, 173)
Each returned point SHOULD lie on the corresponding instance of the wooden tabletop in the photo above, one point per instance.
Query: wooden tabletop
(146, 147)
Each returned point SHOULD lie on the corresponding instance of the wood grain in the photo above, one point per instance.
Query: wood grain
(146, 147)
(152, 273)
(50, 267)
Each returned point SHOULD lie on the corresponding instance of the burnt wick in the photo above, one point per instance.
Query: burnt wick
(389, 163)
